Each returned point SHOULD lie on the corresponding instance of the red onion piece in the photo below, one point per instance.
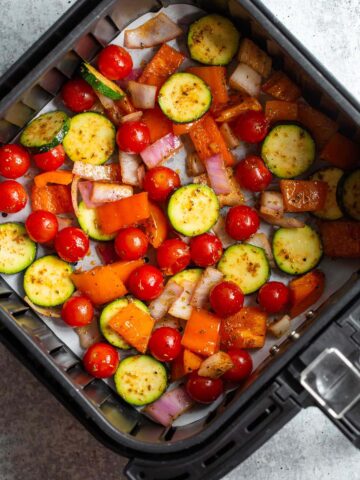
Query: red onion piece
(161, 150)
(169, 406)
(181, 308)
(133, 75)
(220, 231)
(64, 222)
(160, 306)
(46, 312)
(231, 140)
(285, 222)
(106, 252)
(106, 173)
(143, 96)
(272, 204)
(86, 189)
(74, 193)
(132, 117)
(109, 192)
(129, 165)
(112, 110)
(217, 174)
(261, 240)
(89, 334)
(208, 280)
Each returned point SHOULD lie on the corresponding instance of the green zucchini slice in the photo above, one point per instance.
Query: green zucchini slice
(90, 139)
(288, 151)
(331, 176)
(88, 222)
(348, 194)
(100, 83)
(184, 98)
(17, 250)
(297, 250)
(46, 131)
(213, 40)
(193, 209)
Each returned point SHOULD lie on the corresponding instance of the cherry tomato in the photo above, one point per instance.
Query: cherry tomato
(77, 312)
(242, 368)
(160, 182)
(251, 126)
(115, 62)
(274, 297)
(165, 344)
(146, 282)
(253, 174)
(14, 161)
(131, 243)
(205, 249)
(78, 96)
(204, 389)
(13, 196)
(173, 256)
(133, 137)
(42, 226)
(71, 244)
(101, 360)
(51, 160)
(226, 299)
(241, 222)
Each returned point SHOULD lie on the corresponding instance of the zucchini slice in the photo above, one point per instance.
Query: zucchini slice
(140, 379)
(90, 139)
(17, 250)
(288, 151)
(88, 222)
(331, 176)
(213, 40)
(193, 209)
(107, 314)
(46, 131)
(348, 194)
(47, 281)
(246, 265)
(100, 83)
(184, 98)
(297, 250)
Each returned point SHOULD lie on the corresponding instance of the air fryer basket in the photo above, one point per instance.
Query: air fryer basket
(279, 387)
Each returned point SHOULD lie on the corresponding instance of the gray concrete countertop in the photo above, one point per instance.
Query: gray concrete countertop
(39, 440)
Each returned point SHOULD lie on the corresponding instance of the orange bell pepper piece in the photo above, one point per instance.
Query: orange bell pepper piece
(281, 87)
(60, 177)
(125, 212)
(215, 78)
(245, 329)
(321, 127)
(183, 128)
(202, 333)
(341, 152)
(305, 291)
(303, 195)
(134, 325)
(278, 110)
(192, 361)
(163, 64)
(156, 226)
(158, 123)
(228, 114)
(52, 198)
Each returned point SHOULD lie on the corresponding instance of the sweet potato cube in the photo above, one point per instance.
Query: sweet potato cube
(305, 291)
(281, 87)
(303, 195)
(245, 329)
(321, 127)
(279, 111)
(254, 57)
(202, 333)
(341, 152)
(341, 239)
(192, 361)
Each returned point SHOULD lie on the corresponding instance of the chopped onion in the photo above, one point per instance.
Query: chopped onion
(74, 193)
(261, 240)
(143, 96)
(285, 222)
(64, 222)
(106, 173)
(208, 280)
(235, 197)
(231, 140)
(46, 312)
(245, 79)
(129, 164)
(215, 365)
(194, 166)
(86, 189)
(272, 204)
(106, 252)
(109, 192)
(112, 109)
(280, 327)
(220, 232)
(217, 174)
(181, 308)
(168, 321)
(133, 75)
(157, 30)
(132, 117)
(169, 406)
(89, 334)
(160, 306)
(161, 150)
(141, 174)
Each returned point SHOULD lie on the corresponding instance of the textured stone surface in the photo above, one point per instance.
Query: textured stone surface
(39, 439)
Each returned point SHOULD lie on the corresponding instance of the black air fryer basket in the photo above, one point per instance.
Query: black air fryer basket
(327, 345)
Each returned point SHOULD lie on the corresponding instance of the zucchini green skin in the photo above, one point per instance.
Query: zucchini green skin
(297, 250)
(90, 139)
(46, 131)
(100, 83)
(190, 275)
(88, 222)
(331, 176)
(213, 40)
(184, 98)
(348, 194)
(108, 313)
(288, 150)
(140, 379)
(246, 265)
(17, 250)
(193, 209)
(47, 281)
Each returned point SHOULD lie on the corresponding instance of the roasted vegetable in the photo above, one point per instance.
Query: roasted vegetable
(341, 238)
(305, 291)
(245, 329)
(303, 195)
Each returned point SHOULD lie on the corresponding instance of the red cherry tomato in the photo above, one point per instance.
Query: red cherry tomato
(165, 344)
(101, 360)
(42, 226)
(77, 95)
(133, 137)
(173, 256)
(205, 249)
(274, 297)
(77, 312)
(251, 126)
(253, 174)
(226, 299)
(115, 62)
(131, 243)
(14, 161)
(71, 244)
(51, 160)
(242, 368)
(13, 196)
(146, 282)
(203, 389)
(241, 222)
(160, 182)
